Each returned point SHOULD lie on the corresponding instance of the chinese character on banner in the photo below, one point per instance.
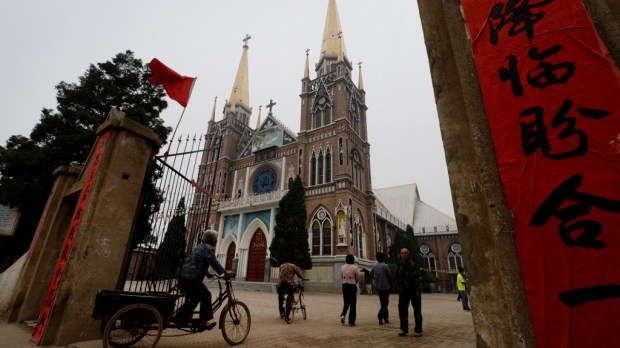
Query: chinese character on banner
(552, 98)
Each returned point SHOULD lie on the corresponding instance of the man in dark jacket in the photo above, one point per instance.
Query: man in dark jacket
(408, 292)
(191, 281)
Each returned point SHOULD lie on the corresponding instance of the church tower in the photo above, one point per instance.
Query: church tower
(225, 139)
(334, 154)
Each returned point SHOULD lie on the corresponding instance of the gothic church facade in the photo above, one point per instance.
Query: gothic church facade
(249, 169)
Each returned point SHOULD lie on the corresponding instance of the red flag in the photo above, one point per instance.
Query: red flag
(177, 86)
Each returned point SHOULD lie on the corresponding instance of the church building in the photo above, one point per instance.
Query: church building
(252, 167)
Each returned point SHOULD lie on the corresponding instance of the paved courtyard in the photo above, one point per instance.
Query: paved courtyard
(445, 325)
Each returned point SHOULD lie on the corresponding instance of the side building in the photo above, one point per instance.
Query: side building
(435, 232)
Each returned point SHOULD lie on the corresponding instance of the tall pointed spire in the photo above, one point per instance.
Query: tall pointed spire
(213, 110)
(333, 42)
(307, 68)
(258, 120)
(360, 81)
(240, 92)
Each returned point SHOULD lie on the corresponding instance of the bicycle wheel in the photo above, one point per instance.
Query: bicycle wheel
(130, 326)
(302, 305)
(235, 322)
(289, 312)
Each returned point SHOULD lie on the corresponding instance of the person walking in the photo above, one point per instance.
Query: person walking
(408, 292)
(350, 278)
(191, 283)
(461, 281)
(383, 282)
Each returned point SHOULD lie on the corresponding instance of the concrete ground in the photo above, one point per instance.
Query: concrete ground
(445, 325)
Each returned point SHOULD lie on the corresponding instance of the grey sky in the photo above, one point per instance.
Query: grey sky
(45, 42)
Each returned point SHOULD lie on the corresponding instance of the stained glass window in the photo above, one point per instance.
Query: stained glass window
(265, 180)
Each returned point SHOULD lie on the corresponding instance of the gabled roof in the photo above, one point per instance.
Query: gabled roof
(400, 200)
(271, 133)
(404, 202)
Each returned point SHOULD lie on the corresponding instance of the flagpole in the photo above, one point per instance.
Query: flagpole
(173, 134)
(179, 122)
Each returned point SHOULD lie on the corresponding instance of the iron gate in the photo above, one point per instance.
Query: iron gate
(178, 214)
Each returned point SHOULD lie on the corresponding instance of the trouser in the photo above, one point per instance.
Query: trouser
(384, 301)
(464, 300)
(195, 292)
(349, 296)
(415, 298)
(283, 289)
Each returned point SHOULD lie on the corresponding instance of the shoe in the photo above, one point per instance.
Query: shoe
(387, 321)
(380, 321)
(342, 319)
(210, 324)
(282, 316)
(417, 334)
(352, 324)
(402, 333)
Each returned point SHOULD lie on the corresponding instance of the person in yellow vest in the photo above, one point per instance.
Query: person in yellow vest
(461, 287)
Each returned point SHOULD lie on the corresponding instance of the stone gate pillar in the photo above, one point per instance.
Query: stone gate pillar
(94, 224)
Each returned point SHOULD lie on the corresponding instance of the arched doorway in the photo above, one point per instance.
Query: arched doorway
(230, 255)
(256, 257)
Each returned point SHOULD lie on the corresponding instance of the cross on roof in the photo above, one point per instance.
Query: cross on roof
(246, 39)
(270, 105)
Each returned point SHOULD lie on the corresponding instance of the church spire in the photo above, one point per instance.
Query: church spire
(213, 110)
(240, 94)
(333, 43)
(307, 68)
(258, 120)
(360, 81)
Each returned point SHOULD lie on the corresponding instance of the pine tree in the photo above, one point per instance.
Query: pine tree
(171, 252)
(290, 241)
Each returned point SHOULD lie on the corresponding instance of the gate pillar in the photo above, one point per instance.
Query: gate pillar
(97, 231)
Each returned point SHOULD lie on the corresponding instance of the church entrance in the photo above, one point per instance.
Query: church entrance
(230, 255)
(256, 257)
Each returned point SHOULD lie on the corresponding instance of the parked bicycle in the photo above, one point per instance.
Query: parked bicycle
(293, 304)
(138, 319)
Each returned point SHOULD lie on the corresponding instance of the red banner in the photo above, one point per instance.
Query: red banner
(65, 252)
(552, 97)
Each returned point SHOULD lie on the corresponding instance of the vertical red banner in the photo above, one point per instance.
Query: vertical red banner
(552, 97)
(65, 252)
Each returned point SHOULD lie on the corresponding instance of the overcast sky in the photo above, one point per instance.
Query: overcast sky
(45, 42)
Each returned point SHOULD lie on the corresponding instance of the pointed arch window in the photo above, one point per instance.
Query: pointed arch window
(429, 257)
(318, 116)
(358, 236)
(316, 238)
(322, 227)
(327, 116)
(356, 170)
(455, 260)
(321, 165)
(328, 165)
(300, 161)
(313, 170)
(340, 151)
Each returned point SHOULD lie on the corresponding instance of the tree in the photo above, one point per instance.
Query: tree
(290, 241)
(405, 240)
(65, 136)
(171, 252)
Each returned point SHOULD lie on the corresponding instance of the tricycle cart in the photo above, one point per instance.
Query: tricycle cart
(138, 318)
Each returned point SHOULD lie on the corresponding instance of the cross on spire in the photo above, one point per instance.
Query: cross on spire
(307, 50)
(270, 105)
(246, 39)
